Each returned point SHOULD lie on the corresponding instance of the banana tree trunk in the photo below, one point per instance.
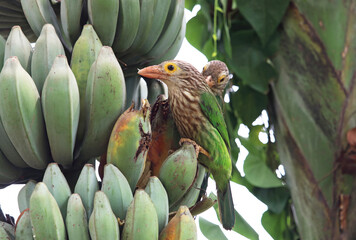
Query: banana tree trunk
(315, 106)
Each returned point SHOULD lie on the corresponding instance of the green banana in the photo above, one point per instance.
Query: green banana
(159, 197)
(173, 50)
(103, 223)
(2, 51)
(141, 219)
(7, 231)
(23, 226)
(144, 45)
(191, 196)
(60, 104)
(117, 189)
(46, 217)
(23, 198)
(132, 83)
(76, 220)
(103, 16)
(58, 186)
(86, 187)
(102, 110)
(127, 25)
(21, 114)
(9, 150)
(145, 25)
(178, 171)
(129, 141)
(47, 48)
(170, 29)
(154, 88)
(85, 52)
(181, 227)
(71, 11)
(18, 45)
(38, 13)
(8, 172)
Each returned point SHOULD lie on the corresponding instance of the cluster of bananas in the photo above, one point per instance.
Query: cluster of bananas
(139, 32)
(49, 210)
(51, 111)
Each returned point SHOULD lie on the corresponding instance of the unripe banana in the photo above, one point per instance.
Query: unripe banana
(117, 189)
(129, 142)
(7, 231)
(178, 171)
(159, 197)
(165, 136)
(8, 172)
(170, 29)
(85, 52)
(23, 198)
(46, 218)
(71, 11)
(38, 13)
(154, 88)
(76, 220)
(60, 104)
(47, 48)
(86, 187)
(104, 101)
(103, 16)
(58, 186)
(141, 219)
(21, 114)
(129, 12)
(103, 223)
(18, 45)
(9, 150)
(23, 226)
(181, 227)
(191, 196)
(2, 51)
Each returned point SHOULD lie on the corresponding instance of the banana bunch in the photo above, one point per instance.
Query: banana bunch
(46, 101)
(140, 32)
(50, 210)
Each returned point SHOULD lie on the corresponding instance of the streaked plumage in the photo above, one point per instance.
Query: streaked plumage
(198, 116)
(217, 76)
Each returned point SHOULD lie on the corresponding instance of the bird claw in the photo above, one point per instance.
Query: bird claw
(198, 149)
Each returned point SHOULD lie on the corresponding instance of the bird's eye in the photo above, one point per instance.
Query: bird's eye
(170, 67)
(221, 78)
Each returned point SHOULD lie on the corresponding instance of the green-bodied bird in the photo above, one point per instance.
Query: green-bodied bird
(198, 117)
(217, 76)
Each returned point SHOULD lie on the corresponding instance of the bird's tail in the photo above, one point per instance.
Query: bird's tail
(226, 208)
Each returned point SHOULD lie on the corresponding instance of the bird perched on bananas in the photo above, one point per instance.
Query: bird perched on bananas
(216, 76)
(198, 117)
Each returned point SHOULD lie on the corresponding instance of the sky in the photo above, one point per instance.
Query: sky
(245, 203)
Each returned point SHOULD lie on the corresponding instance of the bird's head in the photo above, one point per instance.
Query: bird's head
(216, 75)
(174, 73)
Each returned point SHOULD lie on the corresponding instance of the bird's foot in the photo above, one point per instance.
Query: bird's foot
(198, 149)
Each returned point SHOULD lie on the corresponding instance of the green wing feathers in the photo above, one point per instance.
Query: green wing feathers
(213, 112)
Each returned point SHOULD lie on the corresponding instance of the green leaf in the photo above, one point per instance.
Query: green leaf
(210, 230)
(197, 32)
(248, 103)
(264, 15)
(259, 174)
(241, 226)
(275, 198)
(276, 226)
(189, 4)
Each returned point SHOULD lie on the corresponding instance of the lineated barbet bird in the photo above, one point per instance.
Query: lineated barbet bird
(217, 76)
(198, 117)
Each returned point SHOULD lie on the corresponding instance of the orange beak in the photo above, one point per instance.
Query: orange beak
(154, 71)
